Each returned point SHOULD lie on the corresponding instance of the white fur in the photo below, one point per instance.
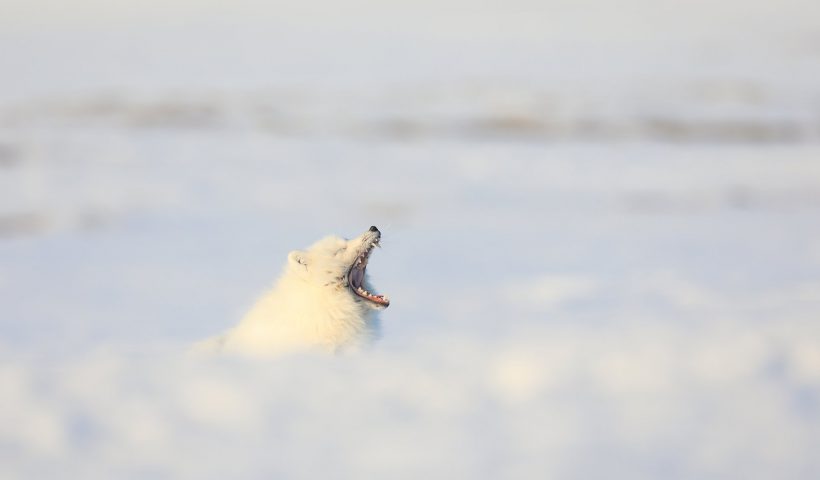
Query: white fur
(311, 306)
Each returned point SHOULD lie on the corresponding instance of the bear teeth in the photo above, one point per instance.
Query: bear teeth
(368, 294)
(356, 275)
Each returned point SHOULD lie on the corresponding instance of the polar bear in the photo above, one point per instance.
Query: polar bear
(323, 299)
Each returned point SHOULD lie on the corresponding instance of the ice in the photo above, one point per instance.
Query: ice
(600, 230)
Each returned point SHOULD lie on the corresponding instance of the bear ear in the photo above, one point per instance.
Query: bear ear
(298, 257)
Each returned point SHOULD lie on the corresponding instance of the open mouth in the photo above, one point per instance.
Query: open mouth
(355, 276)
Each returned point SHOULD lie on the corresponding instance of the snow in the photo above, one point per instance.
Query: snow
(600, 237)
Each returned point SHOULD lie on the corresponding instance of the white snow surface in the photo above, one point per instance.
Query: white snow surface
(600, 230)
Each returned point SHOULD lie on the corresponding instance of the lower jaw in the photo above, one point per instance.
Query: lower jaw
(377, 303)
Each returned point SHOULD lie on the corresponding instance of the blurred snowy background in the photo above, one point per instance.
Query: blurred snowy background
(601, 227)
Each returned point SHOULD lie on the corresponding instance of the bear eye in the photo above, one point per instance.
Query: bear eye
(340, 250)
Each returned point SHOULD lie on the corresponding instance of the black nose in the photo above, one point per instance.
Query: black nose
(374, 229)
